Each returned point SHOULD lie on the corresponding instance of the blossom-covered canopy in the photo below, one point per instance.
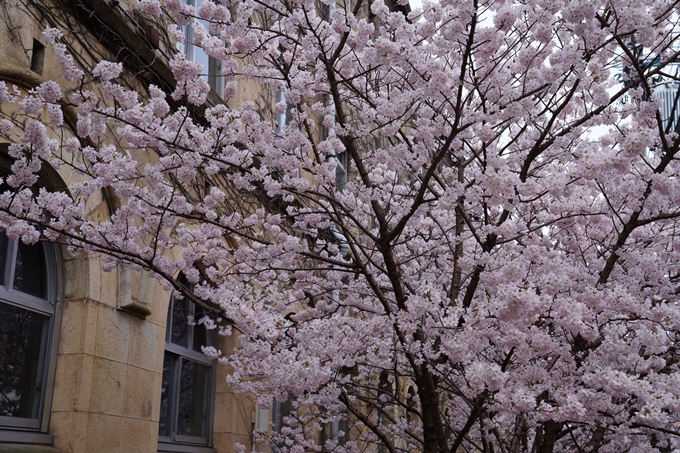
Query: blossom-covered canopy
(505, 244)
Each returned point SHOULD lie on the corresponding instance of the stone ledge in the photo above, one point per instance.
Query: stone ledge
(23, 448)
(139, 309)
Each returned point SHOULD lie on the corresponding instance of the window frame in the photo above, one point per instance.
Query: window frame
(26, 429)
(177, 442)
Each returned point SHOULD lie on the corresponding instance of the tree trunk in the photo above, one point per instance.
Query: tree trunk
(434, 438)
(546, 436)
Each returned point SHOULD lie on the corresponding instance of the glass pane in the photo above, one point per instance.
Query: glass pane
(29, 273)
(192, 411)
(164, 428)
(281, 410)
(23, 336)
(215, 79)
(343, 426)
(211, 68)
(341, 170)
(180, 323)
(200, 332)
(201, 57)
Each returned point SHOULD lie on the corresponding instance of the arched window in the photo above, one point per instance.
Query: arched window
(29, 278)
(187, 378)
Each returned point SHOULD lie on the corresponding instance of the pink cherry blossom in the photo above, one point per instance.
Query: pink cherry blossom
(474, 200)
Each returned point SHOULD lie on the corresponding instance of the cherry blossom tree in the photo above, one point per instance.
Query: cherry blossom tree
(499, 272)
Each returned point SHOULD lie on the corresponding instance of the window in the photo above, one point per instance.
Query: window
(37, 57)
(211, 66)
(669, 94)
(187, 378)
(337, 432)
(410, 405)
(28, 308)
(341, 159)
(282, 119)
(281, 410)
(384, 395)
(341, 171)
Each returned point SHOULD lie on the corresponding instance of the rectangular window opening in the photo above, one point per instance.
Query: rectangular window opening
(212, 67)
(341, 171)
(37, 57)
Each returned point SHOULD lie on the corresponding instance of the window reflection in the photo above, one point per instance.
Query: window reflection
(23, 340)
(200, 335)
(179, 334)
(164, 428)
(193, 392)
(29, 271)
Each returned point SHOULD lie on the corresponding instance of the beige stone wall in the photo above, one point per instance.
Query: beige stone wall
(109, 365)
(233, 412)
(109, 371)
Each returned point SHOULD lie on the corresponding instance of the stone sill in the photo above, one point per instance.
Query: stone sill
(24, 448)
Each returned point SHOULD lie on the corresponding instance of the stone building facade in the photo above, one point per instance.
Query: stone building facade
(90, 364)
(105, 362)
